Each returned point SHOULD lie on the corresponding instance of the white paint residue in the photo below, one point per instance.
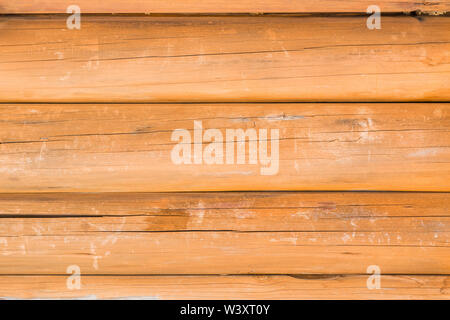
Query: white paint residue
(345, 238)
(4, 241)
(66, 76)
(60, 55)
(425, 152)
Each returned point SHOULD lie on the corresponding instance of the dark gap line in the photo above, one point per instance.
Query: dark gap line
(415, 13)
(224, 275)
(47, 192)
(300, 102)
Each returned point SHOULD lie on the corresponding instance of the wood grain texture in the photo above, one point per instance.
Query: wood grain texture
(127, 148)
(87, 177)
(223, 59)
(219, 6)
(227, 252)
(303, 233)
(226, 287)
(74, 213)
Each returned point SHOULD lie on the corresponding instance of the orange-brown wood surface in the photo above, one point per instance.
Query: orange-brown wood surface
(226, 287)
(224, 150)
(104, 148)
(220, 6)
(218, 211)
(227, 252)
(217, 233)
(214, 59)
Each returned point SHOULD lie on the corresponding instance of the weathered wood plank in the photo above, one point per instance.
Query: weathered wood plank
(225, 233)
(227, 252)
(219, 6)
(129, 148)
(72, 214)
(223, 59)
(226, 287)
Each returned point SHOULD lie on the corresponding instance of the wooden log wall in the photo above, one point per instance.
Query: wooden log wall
(224, 150)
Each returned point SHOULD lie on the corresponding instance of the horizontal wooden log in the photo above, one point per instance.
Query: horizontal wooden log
(71, 213)
(223, 59)
(227, 252)
(219, 6)
(214, 233)
(225, 287)
(132, 148)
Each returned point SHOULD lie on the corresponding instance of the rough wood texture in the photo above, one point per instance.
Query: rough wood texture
(316, 233)
(95, 185)
(226, 287)
(219, 6)
(127, 148)
(75, 213)
(227, 252)
(214, 59)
